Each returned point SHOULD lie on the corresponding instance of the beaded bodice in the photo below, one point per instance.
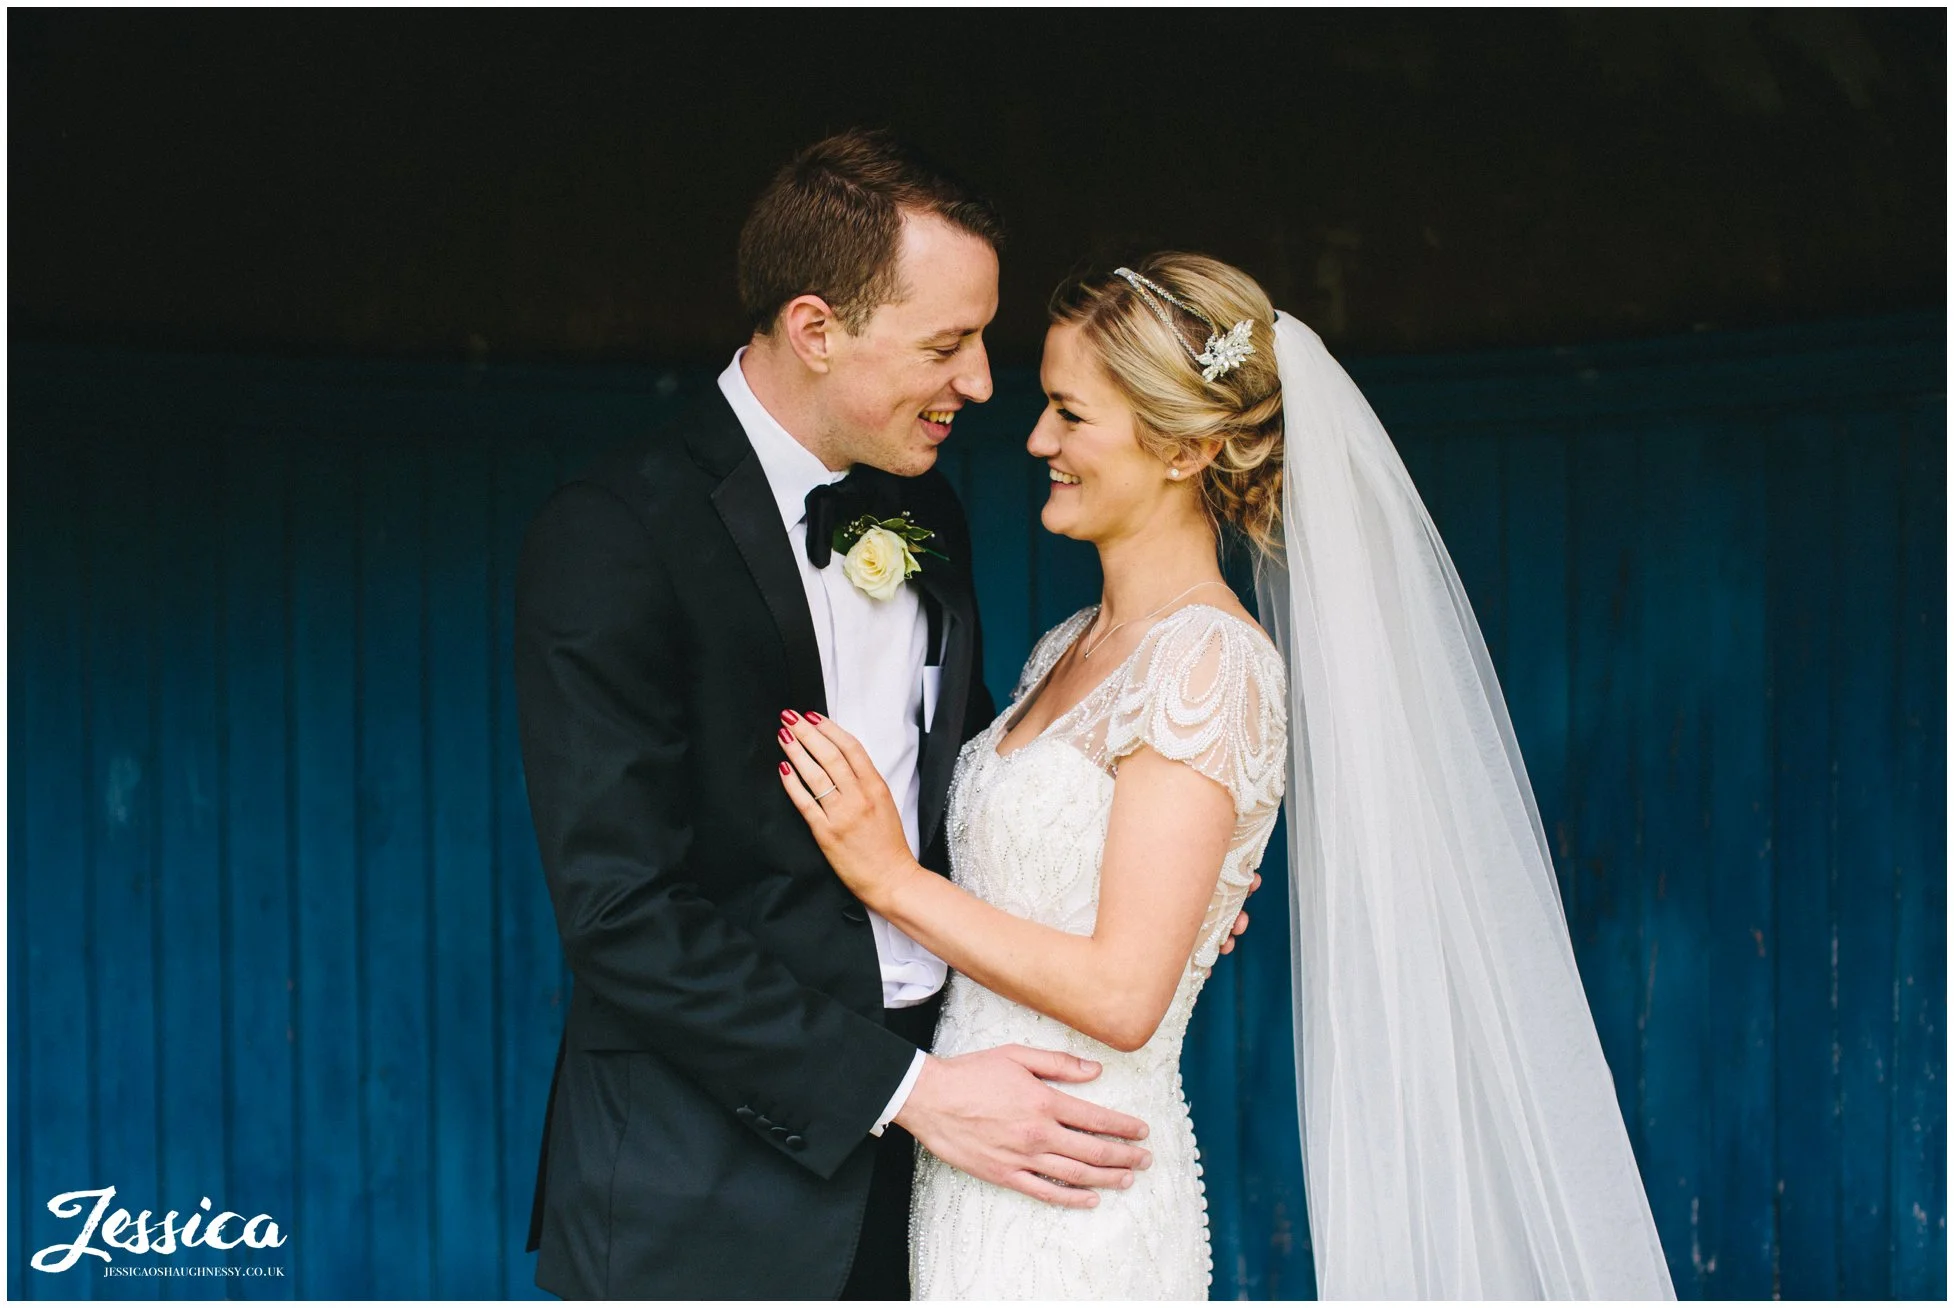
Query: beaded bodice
(1027, 831)
(1202, 687)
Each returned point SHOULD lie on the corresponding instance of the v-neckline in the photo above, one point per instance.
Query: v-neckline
(1037, 691)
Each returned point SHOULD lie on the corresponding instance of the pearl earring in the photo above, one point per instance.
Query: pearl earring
(1173, 472)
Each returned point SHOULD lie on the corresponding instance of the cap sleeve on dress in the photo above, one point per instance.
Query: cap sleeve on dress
(1207, 689)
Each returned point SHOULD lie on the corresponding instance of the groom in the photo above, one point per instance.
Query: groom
(742, 1073)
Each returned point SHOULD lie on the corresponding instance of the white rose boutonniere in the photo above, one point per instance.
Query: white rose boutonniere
(879, 562)
(878, 555)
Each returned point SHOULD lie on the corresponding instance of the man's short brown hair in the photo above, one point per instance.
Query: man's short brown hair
(830, 224)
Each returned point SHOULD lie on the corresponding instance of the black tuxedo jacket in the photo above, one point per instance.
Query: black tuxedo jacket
(724, 1054)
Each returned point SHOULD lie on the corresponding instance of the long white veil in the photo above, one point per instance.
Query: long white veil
(1461, 1136)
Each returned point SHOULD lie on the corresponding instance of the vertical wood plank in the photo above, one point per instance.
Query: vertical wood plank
(17, 1064)
(1866, 738)
(50, 1055)
(1604, 796)
(193, 999)
(532, 988)
(1002, 526)
(334, 1259)
(1275, 1217)
(1066, 577)
(395, 922)
(467, 991)
(1738, 1004)
(1801, 483)
(1211, 1081)
(1670, 710)
(122, 618)
(1919, 1197)
(258, 845)
(19, 680)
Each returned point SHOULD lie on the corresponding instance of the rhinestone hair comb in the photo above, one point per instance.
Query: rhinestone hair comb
(1225, 351)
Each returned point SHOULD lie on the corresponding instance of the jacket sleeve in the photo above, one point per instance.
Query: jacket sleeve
(599, 660)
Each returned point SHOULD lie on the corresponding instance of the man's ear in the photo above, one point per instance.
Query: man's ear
(809, 326)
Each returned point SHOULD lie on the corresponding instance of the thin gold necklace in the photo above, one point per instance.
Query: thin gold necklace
(1085, 654)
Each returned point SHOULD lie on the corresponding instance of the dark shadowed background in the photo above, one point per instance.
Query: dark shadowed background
(309, 310)
(512, 184)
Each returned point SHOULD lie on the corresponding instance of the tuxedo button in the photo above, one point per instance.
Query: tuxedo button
(744, 1113)
(795, 1143)
(779, 1132)
(855, 913)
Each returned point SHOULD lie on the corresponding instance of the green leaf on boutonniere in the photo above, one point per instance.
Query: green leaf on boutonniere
(907, 529)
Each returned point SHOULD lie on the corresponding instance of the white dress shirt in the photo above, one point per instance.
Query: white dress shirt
(873, 657)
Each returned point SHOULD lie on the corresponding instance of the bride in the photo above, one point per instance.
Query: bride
(1460, 1128)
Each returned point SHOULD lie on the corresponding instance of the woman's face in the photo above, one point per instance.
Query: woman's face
(1104, 486)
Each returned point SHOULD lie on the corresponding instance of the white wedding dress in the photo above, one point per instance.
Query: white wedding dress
(1027, 831)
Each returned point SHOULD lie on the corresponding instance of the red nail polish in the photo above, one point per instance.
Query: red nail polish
(789, 717)
(786, 736)
(813, 717)
(784, 769)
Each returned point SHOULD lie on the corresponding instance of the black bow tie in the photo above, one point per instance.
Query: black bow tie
(839, 503)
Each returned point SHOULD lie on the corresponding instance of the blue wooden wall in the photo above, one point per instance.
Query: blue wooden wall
(277, 934)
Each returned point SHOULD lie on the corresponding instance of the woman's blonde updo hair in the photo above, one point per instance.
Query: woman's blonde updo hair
(1178, 412)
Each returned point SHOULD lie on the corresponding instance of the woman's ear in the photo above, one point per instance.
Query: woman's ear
(808, 325)
(1188, 465)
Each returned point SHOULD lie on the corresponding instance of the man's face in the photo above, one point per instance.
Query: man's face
(893, 390)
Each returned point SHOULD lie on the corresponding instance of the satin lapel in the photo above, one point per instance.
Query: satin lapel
(944, 739)
(746, 505)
